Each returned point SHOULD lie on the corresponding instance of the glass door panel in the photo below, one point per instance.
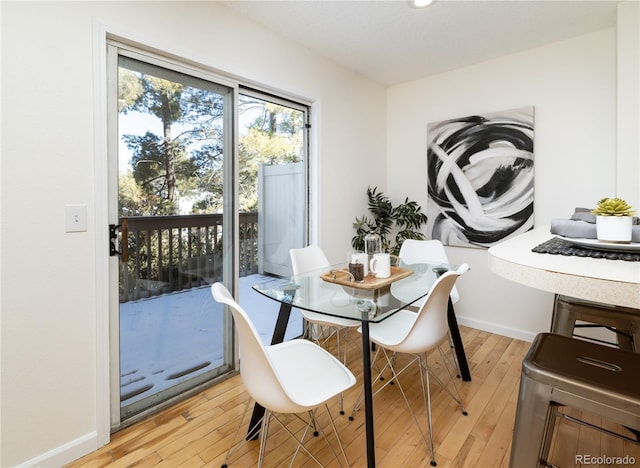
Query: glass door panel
(172, 142)
(272, 184)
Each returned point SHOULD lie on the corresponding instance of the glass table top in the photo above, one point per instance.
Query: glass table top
(329, 290)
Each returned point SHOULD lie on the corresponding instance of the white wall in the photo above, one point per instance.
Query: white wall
(572, 85)
(49, 314)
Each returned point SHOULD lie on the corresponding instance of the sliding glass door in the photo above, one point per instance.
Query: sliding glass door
(208, 183)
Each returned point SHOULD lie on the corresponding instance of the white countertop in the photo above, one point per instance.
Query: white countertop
(607, 281)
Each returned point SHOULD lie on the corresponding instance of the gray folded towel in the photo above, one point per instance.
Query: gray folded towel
(583, 214)
(571, 228)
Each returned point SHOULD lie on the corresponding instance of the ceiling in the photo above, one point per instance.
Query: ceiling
(391, 42)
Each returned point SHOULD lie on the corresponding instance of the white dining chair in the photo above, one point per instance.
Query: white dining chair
(432, 251)
(426, 250)
(415, 334)
(295, 376)
(320, 327)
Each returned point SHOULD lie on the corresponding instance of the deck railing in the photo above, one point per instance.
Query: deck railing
(162, 254)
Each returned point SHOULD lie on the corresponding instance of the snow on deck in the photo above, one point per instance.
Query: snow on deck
(168, 339)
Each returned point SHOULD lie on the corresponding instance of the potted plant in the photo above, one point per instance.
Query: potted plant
(405, 219)
(614, 219)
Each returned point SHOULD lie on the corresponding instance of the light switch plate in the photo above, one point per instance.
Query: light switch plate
(75, 218)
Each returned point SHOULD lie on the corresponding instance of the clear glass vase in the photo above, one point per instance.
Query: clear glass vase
(372, 245)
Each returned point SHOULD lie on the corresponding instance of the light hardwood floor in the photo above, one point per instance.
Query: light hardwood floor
(198, 431)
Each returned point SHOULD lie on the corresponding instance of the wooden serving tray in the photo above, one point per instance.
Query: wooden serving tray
(370, 282)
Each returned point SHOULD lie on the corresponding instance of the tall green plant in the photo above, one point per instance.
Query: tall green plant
(405, 220)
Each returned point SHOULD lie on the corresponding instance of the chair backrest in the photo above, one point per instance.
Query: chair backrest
(256, 369)
(431, 325)
(431, 250)
(308, 259)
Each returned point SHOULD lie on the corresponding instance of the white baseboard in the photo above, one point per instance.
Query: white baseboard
(496, 328)
(66, 453)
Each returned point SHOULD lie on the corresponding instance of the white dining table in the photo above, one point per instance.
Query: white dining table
(615, 282)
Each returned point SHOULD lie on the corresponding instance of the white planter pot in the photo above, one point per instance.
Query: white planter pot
(614, 228)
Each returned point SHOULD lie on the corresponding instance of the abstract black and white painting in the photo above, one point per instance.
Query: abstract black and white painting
(480, 178)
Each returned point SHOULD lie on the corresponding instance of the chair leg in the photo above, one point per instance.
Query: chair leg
(335, 433)
(233, 445)
(531, 419)
(324, 436)
(337, 332)
(360, 398)
(426, 385)
(406, 400)
(307, 332)
(300, 441)
(624, 338)
(304, 435)
(455, 394)
(264, 430)
(563, 319)
(344, 361)
(426, 393)
(379, 377)
(550, 426)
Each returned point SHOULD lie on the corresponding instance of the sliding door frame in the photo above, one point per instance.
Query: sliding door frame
(230, 225)
(104, 34)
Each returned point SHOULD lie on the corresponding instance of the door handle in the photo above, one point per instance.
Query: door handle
(113, 237)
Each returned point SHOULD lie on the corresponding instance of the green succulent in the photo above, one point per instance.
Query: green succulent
(613, 207)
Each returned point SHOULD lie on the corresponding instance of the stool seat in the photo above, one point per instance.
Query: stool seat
(605, 374)
(561, 371)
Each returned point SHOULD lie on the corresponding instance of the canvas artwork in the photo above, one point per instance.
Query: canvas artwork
(480, 178)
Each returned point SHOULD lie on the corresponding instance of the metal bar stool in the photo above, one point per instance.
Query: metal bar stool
(560, 371)
(625, 322)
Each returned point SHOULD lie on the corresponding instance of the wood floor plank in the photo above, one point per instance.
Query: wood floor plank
(498, 442)
(610, 445)
(632, 451)
(153, 459)
(493, 418)
(479, 401)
